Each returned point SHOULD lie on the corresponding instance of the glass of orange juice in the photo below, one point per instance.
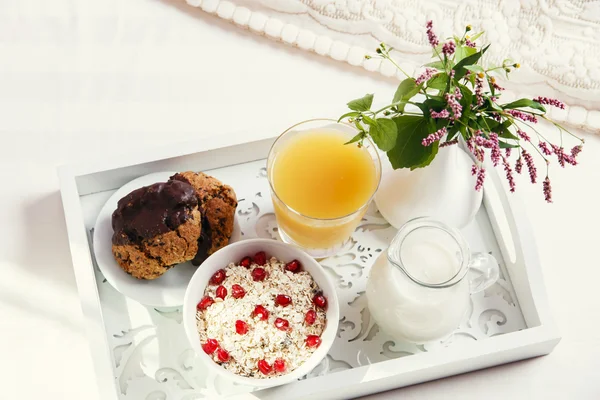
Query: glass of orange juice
(321, 186)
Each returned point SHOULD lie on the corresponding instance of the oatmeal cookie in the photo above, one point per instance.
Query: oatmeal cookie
(217, 203)
(156, 227)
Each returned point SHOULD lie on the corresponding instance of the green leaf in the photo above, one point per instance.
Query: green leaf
(453, 131)
(384, 133)
(504, 132)
(438, 82)
(476, 36)
(487, 124)
(524, 103)
(437, 65)
(406, 89)
(348, 115)
(463, 52)
(490, 105)
(369, 120)
(504, 145)
(475, 68)
(459, 69)
(362, 104)
(409, 152)
(356, 138)
(465, 102)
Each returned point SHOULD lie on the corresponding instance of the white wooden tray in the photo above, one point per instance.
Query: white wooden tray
(141, 353)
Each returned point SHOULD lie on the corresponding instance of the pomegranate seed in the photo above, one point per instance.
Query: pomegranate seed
(264, 367)
(279, 365)
(293, 266)
(283, 300)
(237, 291)
(259, 274)
(241, 327)
(282, 324)
(313, 341)
(210, 346)
(319, 300)
(246, 262)
(206, 302)
(260, 258)
(260, 311)
(221, 292)
(311, 317)
(222, 355)
(218, 277)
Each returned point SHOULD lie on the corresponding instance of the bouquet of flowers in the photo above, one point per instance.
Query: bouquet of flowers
(455, 96)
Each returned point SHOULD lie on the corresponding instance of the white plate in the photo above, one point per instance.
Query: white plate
(165, 291)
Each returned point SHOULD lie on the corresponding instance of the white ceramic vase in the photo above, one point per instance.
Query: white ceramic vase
(444, 190)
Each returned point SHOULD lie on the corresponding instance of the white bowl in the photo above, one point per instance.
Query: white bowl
(234, 253)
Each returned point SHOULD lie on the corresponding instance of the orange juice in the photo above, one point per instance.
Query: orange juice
(321, 186)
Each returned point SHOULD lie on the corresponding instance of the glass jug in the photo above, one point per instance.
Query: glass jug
(419, 289)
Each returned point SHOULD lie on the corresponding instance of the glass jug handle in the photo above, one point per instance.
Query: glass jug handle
(484, 271)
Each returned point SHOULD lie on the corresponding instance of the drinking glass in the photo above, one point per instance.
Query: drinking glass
(319, 237)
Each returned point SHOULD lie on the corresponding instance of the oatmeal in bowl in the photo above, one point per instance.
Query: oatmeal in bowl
(261, 312)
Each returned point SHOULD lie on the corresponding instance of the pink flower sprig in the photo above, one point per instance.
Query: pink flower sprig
(509, 175)
(449, 48)
(452, 100)
(545, 149)
(431, 36)
(563, 158)
(519, 165)
(530, 166)
(480, 179)
(425, 76)
(550, 102)
(434, 137)
(449, 143)
(547, 190)
(523, 135)
(576, 150)
(444, 114)
(469, 43)
(523, 116)
(479, 91)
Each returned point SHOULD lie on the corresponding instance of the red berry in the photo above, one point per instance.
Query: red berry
(293, 266)
(241, 327)
(222, 355)
(279, 365)
(210, 346)
(313, 341)
(260, 258)
(218, 277)
(246, 261)
(237, 291)
(264, 367)
(319, 300)
(282, 324)
(206, 302)
(221, 292)
(259, 274)
(311, 317)
(283, 300)
(260, 311)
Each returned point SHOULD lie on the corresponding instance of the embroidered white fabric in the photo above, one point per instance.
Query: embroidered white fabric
(553, 40)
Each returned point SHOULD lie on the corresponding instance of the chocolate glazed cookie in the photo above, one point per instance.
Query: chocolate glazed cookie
(156, 227)
(217, 203)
